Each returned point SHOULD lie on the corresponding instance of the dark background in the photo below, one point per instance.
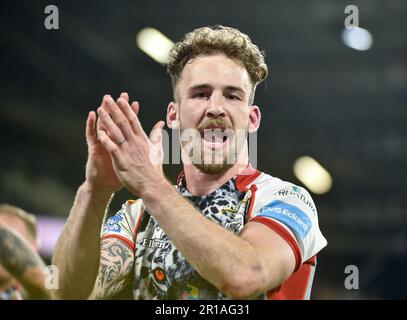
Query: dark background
(346, 108)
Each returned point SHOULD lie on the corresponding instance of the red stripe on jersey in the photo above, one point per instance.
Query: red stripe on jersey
(181, 174)
(248, 175)
(253, 189)
(296, 286)
(124, 239)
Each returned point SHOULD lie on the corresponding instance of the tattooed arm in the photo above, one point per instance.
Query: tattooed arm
(115, 270)
(23, 263)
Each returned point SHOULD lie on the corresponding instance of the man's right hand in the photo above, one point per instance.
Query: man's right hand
(100, 175)
(81, 233)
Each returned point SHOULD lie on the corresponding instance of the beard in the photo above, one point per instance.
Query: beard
(213, 147)
(213, 168)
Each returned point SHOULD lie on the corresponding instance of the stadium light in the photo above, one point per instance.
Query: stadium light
(154, 44)
(313, 175)
(357, 38)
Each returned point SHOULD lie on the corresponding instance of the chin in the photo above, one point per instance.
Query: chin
(213, 168)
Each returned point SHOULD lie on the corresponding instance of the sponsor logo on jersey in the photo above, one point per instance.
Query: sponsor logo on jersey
(158, 232)
(233, 208)
(290, 215)
(154, 243)
(296, 191)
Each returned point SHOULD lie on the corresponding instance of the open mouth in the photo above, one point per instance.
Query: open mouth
(215, 137)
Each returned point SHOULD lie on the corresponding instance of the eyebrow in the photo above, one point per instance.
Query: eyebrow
(207, 86)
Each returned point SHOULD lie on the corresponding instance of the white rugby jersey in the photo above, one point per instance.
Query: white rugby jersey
(162, 272)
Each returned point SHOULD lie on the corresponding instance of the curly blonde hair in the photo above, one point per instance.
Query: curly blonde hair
(217, 39)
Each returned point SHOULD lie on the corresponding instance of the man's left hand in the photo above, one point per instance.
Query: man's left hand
(137, 159)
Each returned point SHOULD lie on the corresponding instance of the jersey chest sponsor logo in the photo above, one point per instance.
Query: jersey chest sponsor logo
(234, 208)
(156, 240)
(230, 209)
(154, 243)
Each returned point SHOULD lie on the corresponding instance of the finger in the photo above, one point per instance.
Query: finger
(156, 148)
(125, 96)
(109, 145)
(99, 124)
(156, 133)
(107, 125)
(120, 120)
(131, 117)
(135, 106)
(91, 137)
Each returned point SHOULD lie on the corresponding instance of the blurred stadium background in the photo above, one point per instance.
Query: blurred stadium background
(346, 108)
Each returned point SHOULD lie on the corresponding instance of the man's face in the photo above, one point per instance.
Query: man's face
(213, 111)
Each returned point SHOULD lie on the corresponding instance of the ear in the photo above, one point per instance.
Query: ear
(254, 118)
(172, 115)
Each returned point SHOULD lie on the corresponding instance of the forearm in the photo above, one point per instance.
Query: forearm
(77, 254)
(216, 253)
(23, 263)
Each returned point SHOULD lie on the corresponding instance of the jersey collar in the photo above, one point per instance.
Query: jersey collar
(242, 181)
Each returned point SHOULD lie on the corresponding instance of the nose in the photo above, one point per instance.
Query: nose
(215, 108)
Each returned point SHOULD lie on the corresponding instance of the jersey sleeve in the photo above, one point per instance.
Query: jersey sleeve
(123, 224)
(291, 213)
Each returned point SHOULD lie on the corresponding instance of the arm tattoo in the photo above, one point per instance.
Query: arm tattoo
(16, 255)
(116, 266)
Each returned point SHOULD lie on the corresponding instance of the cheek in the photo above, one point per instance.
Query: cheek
(241, 119)
(190, 115)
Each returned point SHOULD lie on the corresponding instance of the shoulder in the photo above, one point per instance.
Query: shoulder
(290, 208)
(265, 180)
(134, 207)
(124, 222)
(269, 188)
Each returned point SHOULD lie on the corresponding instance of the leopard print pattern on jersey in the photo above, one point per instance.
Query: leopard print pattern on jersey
(161, 271)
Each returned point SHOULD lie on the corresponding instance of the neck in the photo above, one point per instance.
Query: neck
(200, 183)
